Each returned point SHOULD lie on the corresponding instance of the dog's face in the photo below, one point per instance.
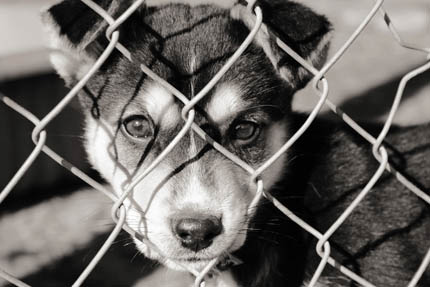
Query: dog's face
(193, 206)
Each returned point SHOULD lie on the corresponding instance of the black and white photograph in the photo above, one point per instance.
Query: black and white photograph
(214, 143)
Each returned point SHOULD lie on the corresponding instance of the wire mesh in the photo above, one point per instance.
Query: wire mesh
(321, 88)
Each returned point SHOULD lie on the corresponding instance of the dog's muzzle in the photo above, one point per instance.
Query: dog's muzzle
(196, 232)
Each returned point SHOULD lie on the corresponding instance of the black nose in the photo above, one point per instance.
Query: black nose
(197, 233)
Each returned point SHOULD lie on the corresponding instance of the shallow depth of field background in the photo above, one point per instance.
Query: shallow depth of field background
(51, 225)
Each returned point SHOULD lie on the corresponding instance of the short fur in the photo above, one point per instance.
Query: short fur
(383, 240)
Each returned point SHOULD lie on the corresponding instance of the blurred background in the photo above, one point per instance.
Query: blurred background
(64, 228)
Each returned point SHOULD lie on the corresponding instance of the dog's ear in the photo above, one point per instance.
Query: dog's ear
(77, 35)
(306, 32)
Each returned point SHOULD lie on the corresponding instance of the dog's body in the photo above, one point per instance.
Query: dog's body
(386, 237)
(193, 207)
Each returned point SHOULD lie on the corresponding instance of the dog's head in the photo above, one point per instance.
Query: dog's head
(194, 205)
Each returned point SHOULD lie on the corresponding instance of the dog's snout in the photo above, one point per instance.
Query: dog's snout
(197, 233)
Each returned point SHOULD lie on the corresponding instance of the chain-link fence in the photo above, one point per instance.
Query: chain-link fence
(321, 86)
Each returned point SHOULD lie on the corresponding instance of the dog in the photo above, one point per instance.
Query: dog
(193, 206)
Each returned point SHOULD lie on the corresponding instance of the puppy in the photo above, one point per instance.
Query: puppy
(193, 207)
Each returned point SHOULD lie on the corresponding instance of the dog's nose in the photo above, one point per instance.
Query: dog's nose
(197, 233)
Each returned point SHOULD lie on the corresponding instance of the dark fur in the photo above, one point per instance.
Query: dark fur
(384, 239)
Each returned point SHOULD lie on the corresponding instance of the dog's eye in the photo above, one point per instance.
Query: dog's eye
(245, 131)
(138, 127)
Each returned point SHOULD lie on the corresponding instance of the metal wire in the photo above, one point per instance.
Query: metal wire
(102, 250)
(321, 87)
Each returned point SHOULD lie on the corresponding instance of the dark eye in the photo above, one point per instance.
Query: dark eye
(138, 127)
(245, 131)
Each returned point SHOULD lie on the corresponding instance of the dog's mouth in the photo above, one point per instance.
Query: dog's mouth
(193, 260)
(222, 262)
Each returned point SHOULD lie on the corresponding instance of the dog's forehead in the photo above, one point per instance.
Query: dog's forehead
(181, 41)
(186, 46)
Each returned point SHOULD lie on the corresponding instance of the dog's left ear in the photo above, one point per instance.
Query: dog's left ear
(77, 34)
(306, 32)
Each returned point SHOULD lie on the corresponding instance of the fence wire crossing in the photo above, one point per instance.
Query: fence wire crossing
(321, 87)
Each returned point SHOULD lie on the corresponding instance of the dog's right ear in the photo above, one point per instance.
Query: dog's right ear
(77, 35)
(305, 31)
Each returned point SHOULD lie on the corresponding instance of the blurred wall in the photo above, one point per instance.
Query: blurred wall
(26, 76)
(39, 94)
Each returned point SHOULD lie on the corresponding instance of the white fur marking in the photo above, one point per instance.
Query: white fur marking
(69, 61)
(196, 193)
(99, 137)
(226, 102)
(160, 105)
(276, 138)
(193, 68)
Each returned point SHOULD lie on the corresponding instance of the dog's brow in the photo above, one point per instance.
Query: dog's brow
(160, 104)
(224, 103)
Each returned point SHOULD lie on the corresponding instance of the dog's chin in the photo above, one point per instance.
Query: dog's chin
(187, 263)
(178, 264)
